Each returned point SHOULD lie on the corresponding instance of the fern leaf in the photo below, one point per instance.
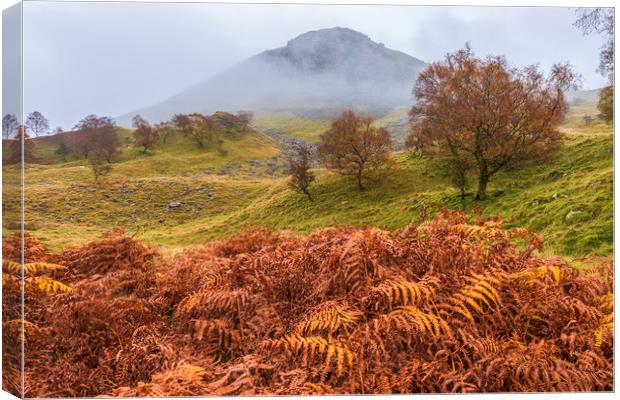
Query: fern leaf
(47, 285)
(424, 323)
(311, 347)
(403, 293)
(471, 299)
(330, 317)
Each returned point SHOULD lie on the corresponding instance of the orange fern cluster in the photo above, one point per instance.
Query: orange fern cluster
(446, 306)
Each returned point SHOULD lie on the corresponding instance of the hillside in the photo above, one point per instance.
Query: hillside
(179, 195)
(318, 71)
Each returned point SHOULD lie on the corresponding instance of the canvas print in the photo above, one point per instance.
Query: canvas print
(205, 199)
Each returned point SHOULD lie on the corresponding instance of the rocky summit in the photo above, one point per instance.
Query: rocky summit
(324, 69)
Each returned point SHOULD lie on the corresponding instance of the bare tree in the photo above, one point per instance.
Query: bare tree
(353, 146)
(9, 125)
(601, 20)
(482, 109)
(298, 163)
(37, 123)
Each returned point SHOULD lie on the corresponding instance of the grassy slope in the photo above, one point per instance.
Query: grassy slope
(307, 129)
(64, 209)
(580, 177)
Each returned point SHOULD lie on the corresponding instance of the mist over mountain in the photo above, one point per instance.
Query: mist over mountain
(327, 69)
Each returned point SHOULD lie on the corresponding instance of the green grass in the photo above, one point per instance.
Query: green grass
(307, 129)
(65, 206)
(524, 198)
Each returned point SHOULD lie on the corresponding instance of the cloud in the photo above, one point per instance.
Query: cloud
(110, 58)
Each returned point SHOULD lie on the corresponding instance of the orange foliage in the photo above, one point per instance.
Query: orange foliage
(446, 306)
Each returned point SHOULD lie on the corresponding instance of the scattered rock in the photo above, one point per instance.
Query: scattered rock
(91, 189)
(572, 213)
(535, 202)
(555, 196)
(174, 204)
(596, 184)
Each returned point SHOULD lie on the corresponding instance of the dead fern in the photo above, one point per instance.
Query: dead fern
(449, 305)
(393, 293)
(330, 317)
(316, 348)
(475, 297)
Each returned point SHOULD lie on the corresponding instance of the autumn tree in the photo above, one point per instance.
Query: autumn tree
(63, 150)
(484, 110)
(298, 164)
(353, 146)
(457, 170)
(9, 124)
(606, 104)
(78, 144)
(601, 21)
(202, 129)
(99, 164)
(164, 130)
(21, 147)
(96, 133)
(92, 122)
(37, 123)
(587, 119)
(245, 117)
(145, 135)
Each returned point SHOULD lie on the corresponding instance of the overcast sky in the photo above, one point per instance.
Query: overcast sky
(112, 58)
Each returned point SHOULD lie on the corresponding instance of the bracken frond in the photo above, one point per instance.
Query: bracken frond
(605, 331)
(545, 273)
(214, 301)
(47, 285)
(329, 317)
(475, 296)
(403, 293)
(29, 268)
(414, 320)
(312, 348)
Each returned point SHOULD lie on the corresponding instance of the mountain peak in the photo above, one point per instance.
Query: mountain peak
(327, 35)
(331, 68)
(325, 48)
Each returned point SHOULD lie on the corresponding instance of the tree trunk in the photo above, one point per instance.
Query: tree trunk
(359, 179)
(483, 180)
